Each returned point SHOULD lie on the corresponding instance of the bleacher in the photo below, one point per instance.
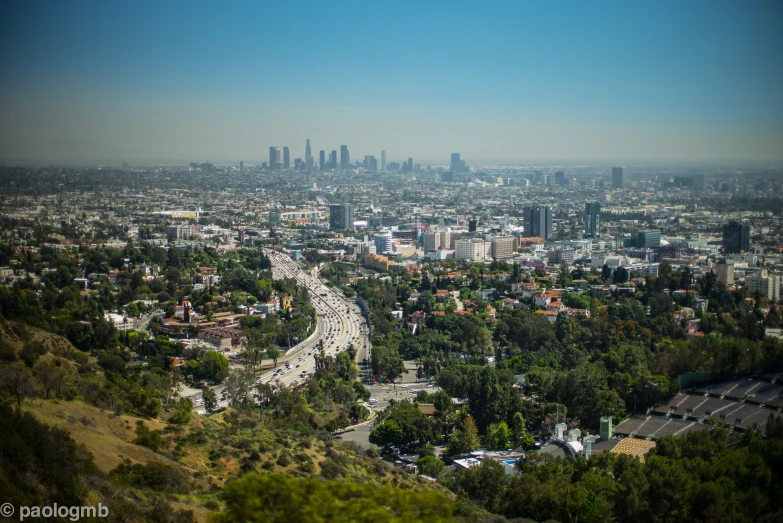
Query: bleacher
(742, 404)
(655, 427)
(664, 408)
(711, 406)
(770, 394)
(716, 389)
(743, 389)
(688, 405)
(630, 425)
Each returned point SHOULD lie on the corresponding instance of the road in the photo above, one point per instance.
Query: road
(339, 324)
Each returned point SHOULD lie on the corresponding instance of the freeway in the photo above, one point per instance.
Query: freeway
(339, 323)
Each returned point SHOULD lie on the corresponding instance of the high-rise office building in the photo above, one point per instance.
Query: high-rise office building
(592, 219)
(383, 160)
(242, 166)
(445, 239)
(345, 158)
(648, 239)
(274, 157)
(725, 272)
(618, 177)
(333, 159)
(538, 222)
(322, 160)
(309, 160)
(560, 178)
(341, 217)
(370, 163)
(736, 237)
(454, 165)
(410, 165)
(504, 247)
(286, 158)
(431, 241)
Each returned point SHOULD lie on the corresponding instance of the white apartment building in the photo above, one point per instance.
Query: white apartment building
(473, 249)
(765, 283)
(120, 322)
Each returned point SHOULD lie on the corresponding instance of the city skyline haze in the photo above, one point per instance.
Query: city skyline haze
(566, 81)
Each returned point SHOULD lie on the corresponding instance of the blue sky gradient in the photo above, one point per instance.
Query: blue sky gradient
(689, 81)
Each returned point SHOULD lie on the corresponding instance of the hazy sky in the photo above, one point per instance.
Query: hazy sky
(628, 80)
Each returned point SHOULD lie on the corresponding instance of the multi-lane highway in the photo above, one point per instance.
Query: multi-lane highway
(339, 324)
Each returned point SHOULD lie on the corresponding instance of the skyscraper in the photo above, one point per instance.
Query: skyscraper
(618, 177)
(410, 165)
(736, 237)
(592, 223)
(322, 160)
(333, 159)
(345, 158)
(560, 178)
(274, 157)
(648, 239)
(454, 164)
(241, 166)
(309, 161)
(370, 163)
(538, 222)
(341, 217)
(286, 158)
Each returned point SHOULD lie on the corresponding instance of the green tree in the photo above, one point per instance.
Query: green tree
(213, 366)
(388, 432)
(386, 363)
(518, 427)
(484, 484)
(132, 309)
(465, 439)
(239, 385)
(17, 380)
(430, 466)
(210, 400)
(273, 353)
(182, 413)
(498, 436)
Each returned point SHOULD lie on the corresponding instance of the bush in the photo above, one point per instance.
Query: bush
(430, 466)
(152, 439)
(155, 476)
(182, 413)
(284, 460)
(331, 470)
(31, 352)
(7, 353)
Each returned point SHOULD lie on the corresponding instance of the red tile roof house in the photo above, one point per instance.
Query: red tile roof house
(418, 317)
